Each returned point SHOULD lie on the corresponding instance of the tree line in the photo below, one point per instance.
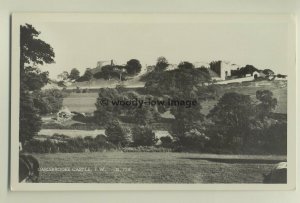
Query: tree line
(107, 72)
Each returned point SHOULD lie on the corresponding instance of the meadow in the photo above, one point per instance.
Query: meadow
(131, 167)
(81, 102)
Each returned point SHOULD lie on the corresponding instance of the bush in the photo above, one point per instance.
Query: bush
(143, 136)
(85, 90)
(60, 136)
(79, 117)
(37, 146)
(64, 144)
(48, 101)
(166, 141)
(117, 134)
(78, 90)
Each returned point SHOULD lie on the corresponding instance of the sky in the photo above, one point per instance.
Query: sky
(81, 45)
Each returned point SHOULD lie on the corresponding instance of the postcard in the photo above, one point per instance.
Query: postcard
(152, 101)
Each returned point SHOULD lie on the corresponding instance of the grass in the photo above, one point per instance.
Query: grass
(81, 102)
(119, 167)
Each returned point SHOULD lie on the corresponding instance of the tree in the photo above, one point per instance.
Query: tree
(180, 82)
(166, 141)
(161, 64)
(133, 67)
(117, 134)
(105, 73)
(268, 72)
(74, 74)
(143, 136)
(63, 76)
(268, 103)
(186, 119)
(143, 115)
(33, 52)
(232, 118)
(248, 69)
(105, 110)
(48, 101)
(32, 78)
(196, 139)
(87, 76)
(30, 121)
(120, 70)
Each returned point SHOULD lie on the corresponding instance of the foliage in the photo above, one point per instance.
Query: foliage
(240, 126)
(268, 72)
(267, 103)
(143, 136)
(74, 74)
(248, 69)
(196, 139)
(117, 134)
(33, 79)
(33, 52)
(48, 101)
(185, 120)
(105, 110)
(63, 76)
(133, 67)
(275, 139)
(161, 64)
(87, 76)
(143, 115)
(243, 71)
(281, 76)
(181, 82)
(232, 118)
(109, 72)
(64, 144)
(30, 121)
(166, 141)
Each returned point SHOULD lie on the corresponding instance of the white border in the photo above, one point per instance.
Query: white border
(149, 18)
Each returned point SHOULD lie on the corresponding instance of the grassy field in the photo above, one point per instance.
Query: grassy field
(119, 167)
(81, 102)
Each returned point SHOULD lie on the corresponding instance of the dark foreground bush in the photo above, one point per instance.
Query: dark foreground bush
(166, 141)
(65, 144)
(143, 136)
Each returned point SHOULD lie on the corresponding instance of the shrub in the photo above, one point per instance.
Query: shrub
(37, 146)
(79, 117)
(64, 144)
(78, 90)
(60, 136)
(48, 101)
(85, 90)
(166, 141)
(117, 134)
(143, 136)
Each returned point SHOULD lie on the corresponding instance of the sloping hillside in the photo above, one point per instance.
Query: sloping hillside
(279, 89)
(85, 102)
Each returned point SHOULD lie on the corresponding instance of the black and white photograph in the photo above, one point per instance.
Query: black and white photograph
(142, 100)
